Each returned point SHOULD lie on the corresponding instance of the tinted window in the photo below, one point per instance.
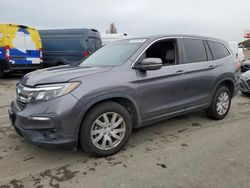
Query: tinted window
(218, 50)
(194, 50)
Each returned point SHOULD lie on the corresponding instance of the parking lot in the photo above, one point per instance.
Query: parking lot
(186, 151)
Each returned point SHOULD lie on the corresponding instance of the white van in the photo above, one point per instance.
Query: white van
(108, 38)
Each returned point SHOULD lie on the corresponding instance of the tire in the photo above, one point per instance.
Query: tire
(60, 64)
(94, 123)
(245, 93)
(218, 114)
(1, 74)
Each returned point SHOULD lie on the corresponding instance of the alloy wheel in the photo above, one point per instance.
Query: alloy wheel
(108, 130)
(222, 104)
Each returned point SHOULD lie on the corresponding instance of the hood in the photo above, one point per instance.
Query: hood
(59, 74)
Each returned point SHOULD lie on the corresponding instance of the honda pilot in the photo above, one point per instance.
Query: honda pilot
(122, 86)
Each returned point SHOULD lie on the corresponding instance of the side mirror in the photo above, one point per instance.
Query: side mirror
(149, 64)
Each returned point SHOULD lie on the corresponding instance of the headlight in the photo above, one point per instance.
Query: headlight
(48, 92)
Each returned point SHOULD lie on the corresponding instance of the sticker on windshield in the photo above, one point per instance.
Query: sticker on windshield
(137, 41)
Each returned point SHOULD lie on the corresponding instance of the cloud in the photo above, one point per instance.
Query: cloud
(226, 19)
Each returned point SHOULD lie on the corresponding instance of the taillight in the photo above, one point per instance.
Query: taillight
(7, 53)
(41, 54)
(86, 53)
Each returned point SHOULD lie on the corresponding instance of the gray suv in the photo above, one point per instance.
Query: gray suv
(124, 85)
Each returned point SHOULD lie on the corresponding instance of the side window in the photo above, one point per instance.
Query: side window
(165, 50)
(194, 50)
(218, 50)
(29, 43)
(19, 41)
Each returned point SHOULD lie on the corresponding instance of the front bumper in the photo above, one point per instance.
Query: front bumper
(245, 85)
(51, 123)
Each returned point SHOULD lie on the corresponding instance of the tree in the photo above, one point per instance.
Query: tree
(245, 44)
(112, 29)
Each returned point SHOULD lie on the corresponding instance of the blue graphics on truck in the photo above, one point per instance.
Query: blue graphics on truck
(20, 45)
(2, 56)
(24, 51)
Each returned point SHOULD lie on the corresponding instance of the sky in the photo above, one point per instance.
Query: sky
(225, 19)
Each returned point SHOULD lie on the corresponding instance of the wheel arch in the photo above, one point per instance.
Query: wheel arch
(126, 101)
(229, 82)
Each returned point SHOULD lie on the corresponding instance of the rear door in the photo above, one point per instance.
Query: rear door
(32, 44)
(18, 51)
(201, 72)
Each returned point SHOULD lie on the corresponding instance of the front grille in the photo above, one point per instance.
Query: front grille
(22, 96)
(21, 104)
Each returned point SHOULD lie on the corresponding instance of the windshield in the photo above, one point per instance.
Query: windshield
(114, 53)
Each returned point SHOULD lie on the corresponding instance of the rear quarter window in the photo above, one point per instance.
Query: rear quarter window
(219, 50)
(194, 50)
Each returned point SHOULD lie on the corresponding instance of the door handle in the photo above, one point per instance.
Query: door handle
(212, 66)
(179, 72)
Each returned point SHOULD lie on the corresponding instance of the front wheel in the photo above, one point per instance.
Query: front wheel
(220, 104)
(245, 93)
(1, 74)
(106, 129)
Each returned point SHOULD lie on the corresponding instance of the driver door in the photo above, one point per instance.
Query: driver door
(162, 91)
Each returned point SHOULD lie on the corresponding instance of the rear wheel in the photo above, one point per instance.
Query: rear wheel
(60, 64)
(106, 129)
(220, 105)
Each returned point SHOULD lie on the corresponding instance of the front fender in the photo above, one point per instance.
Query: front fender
(98, 99)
